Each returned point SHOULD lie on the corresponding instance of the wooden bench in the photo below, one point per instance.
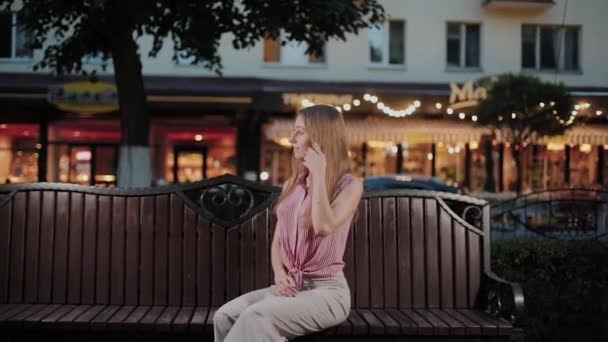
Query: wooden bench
(84, 260)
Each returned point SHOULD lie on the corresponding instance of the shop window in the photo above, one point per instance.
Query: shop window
(450, 163)
(19, 153)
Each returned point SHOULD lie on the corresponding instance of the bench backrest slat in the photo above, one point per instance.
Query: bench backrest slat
(5, 248)
(32, 243)
(117, 248)
(161, 249)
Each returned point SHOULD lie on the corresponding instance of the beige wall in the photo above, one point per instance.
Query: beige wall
(425, 47)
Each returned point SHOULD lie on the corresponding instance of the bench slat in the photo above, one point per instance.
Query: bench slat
(455, 327)
(67, 320)
(488, 327)
(208, 328)
(362, 257)
(34, 321)
(146, 280)
(104, 256)
(447, 259)
(161, 245)
(53, 318)
(408, 327)
(358, 324)
(182, 319)
(75, 248)
(129, 323)
(17, 250)
(218, 272)
(404, 252)
(5, 247)
(117, 273)
(60, 253)
(189, 257)
(471, 328)
(375, 325)
(175, 250)
(263, 232)
(10, 311)
(147, 323)
(418, 253)
(439, 327)
(99, 322)
(233, 269)
(132, 252)
(474, 262)
(389, 229)
(47, 227)
(32, 247)
(460, 270)
(115, 323)
(165, 320)
(199, 319)
(203, 292)
(432, 252)
(504, 328)
(248, 253)
(424, 327)
(376, 251)
(88, 249)
(391, 327)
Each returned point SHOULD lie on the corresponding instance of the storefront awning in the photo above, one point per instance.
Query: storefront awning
(408, 130)
(578, 135)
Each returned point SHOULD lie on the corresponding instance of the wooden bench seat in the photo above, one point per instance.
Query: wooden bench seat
(77, 259)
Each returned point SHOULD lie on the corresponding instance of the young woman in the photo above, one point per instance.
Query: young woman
(314, 212)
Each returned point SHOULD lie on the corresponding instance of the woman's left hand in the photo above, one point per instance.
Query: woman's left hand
(314, 160)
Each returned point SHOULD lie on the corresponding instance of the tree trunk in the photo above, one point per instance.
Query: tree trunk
(517, 158)
(490, 184)
(134, 169)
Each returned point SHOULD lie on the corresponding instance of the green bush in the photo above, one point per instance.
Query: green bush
(565, 285)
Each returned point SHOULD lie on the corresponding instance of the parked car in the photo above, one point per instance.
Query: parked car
(406, 181)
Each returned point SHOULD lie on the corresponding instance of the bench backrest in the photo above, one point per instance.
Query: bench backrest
(203, 243)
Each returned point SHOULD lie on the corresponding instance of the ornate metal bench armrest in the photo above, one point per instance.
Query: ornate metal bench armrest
(502, 298)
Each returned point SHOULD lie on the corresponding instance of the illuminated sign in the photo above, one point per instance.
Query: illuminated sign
(84, 97)
(466, 96)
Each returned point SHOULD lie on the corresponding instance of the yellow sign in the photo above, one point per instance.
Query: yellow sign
(84, 97)
(466, 96)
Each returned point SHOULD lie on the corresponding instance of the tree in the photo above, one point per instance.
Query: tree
(522, 109)
(69, 30)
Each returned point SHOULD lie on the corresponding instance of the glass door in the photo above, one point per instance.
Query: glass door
(189, 163)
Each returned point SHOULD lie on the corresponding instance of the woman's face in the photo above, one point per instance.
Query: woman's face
(299, 138)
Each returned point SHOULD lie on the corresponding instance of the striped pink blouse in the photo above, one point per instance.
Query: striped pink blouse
(303, 253)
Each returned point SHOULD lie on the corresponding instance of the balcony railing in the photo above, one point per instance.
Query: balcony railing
(518, 4)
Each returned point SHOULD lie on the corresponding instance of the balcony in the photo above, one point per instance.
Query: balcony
(518, 5)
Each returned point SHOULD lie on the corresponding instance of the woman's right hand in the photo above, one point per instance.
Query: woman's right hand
(284, 285)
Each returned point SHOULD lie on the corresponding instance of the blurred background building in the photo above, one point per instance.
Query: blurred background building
(406, 90)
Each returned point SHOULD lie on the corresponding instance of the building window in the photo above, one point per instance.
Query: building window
(15, 41)
(550, 47)
(463, 45)
(387, 43)
(292, 53)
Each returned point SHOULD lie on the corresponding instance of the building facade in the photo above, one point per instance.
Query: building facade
(406, 89)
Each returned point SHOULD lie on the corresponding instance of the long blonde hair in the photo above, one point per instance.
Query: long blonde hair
(325, 126)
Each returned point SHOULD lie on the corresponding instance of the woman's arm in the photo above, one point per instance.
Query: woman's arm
(286, 286)
(327, 218)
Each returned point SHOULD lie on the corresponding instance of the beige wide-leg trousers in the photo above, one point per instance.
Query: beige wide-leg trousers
(263, 316)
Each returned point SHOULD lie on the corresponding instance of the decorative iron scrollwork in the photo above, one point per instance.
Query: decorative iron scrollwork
(471, 213)
(502, 299)
(229, 203)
